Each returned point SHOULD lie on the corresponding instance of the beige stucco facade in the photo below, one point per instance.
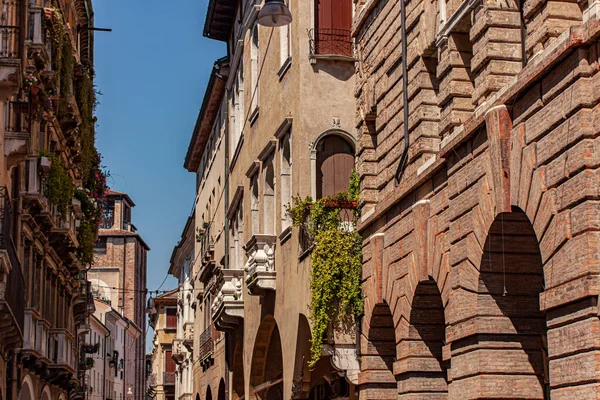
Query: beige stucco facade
(251, 272)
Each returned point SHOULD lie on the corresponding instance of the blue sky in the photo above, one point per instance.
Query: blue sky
(152, 70)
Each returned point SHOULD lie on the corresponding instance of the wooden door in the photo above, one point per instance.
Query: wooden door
(335, 162)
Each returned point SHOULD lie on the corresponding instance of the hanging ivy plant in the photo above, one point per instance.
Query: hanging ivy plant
(56, 29)
(58, 185)
(336, 293)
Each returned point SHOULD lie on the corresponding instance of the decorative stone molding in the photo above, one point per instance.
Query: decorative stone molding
(188, 335)
(260, 267)
(178, 354)
(228, 306)
(344, 358)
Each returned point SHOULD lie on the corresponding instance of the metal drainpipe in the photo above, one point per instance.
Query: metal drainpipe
(104, 359)
(404, 158)
(226, 189)
(226, 206)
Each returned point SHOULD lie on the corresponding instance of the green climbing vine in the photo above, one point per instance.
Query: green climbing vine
(75, 79)
(336, 293)
(58, 185)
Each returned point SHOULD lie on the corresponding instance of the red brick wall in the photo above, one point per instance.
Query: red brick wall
(503, 223)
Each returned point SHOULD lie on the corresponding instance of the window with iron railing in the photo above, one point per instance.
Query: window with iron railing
(10, 34)
(328, 41)
(332, 32)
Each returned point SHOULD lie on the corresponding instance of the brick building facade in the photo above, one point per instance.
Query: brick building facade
(118, 276)
(481, 217)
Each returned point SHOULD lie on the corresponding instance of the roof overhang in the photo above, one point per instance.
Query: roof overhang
(208, 112)
(186, 238)
(219, 19)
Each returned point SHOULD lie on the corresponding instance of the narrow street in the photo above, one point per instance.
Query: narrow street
(284, 199)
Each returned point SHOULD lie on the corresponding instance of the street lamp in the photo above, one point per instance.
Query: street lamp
(274, 13)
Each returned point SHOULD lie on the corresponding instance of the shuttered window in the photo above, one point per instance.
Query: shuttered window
(333, 24)
(169, 362)
(171, 318)
(335, 161)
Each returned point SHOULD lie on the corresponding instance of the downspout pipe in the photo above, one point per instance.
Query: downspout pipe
(404, 158)
(106, 337)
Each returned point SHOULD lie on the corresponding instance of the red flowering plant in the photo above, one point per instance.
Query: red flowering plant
(93, 199)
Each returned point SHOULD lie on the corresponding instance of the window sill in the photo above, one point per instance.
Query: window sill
(305, 253)
(284, 68)
(254, 116)
(285, 235)
(330, 57)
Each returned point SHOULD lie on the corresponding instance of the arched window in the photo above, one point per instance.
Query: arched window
(335, 162)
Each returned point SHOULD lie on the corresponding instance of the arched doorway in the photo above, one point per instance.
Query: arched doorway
(238, 373)
(334, 164)
(221, 395)
(266, 373)
(208, 393)
(379, 355)
(510, 284)
(422, 370)
(26, 392)
(302, 374)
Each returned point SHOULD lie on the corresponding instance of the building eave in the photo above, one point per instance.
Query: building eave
(213, 96)
(185, 236)
(219, 19)
(122, 233)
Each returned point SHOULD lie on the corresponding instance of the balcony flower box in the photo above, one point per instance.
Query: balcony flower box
(343, 204)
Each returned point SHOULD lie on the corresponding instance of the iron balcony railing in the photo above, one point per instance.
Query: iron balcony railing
(10, 42)
(327, 41)
(15, 287)
(168, 378)
(18, 117)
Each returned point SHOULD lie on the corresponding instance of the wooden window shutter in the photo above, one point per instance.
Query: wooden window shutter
(335, 162)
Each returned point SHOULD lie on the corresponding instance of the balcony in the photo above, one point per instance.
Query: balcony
(207, 254)
(228, 306)
(63, 356)
(17, 128)
(178, 354)
(188, 335)
(36, 339)
(260, 268)
(10, 52)
(332, 44)
(168, 378)
(12, 282)
(206, 344)
(35, 42)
